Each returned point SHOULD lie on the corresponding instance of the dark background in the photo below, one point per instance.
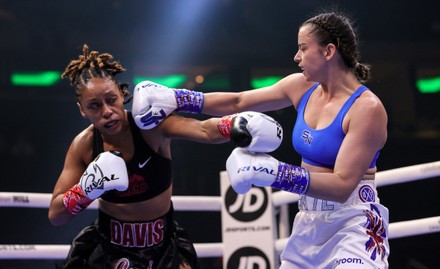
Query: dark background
(233, 39)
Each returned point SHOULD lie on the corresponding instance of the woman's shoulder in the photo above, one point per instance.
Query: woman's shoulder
(298, 79)
(82, 143)
(295, 86)
(159, 137)
(369, 100)
(85, 135)
(369, 106)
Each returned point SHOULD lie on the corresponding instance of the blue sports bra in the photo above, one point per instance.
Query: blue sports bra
(320, 147)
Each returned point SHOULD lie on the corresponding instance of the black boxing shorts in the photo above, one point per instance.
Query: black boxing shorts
(110, 243)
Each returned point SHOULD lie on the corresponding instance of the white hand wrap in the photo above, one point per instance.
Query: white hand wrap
(107, 172)
(256, 132)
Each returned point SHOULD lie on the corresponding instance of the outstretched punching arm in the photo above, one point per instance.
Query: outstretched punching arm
(250, 130)
(153, 102)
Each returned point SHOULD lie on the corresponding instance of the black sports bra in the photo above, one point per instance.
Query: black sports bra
(149, 173)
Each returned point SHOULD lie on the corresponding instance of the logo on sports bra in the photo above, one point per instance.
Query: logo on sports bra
(141, 165)
(307, 136)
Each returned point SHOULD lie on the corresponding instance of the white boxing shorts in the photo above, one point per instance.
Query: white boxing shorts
(331, 235)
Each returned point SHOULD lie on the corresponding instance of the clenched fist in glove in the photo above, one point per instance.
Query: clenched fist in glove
(107, 172)
(253, 131)
(153, 102)
(246, 168)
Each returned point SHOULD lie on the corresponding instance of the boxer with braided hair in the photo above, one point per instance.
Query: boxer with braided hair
(337, 29)
(340, 128)
(92, 64)
(128, 170)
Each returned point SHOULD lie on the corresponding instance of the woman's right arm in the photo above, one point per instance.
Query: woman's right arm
(152, 103)
(74, 167)
(282, 94)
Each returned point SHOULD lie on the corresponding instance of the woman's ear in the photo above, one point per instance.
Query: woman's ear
(330, 50)
(81, 110)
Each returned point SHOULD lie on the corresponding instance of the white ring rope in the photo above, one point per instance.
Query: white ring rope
(59, 252)
(45, 252)
(208, 203)
(42, 200)
(383, 178)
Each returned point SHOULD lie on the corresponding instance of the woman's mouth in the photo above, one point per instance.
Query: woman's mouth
(110, 123)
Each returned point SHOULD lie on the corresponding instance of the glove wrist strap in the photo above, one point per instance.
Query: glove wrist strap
(189, 101)
(224, 125)
(292, 178)
(75, 200)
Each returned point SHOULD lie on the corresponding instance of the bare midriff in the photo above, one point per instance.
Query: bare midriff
(139, 211)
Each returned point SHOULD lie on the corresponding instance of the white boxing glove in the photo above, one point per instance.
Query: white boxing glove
(246, 168)
(107, 172)
(152, 103)
(253, 131)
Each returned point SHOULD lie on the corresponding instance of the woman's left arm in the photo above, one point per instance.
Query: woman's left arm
(203, 131)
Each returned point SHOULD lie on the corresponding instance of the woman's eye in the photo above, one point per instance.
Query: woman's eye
(111, 100)
(93, 106)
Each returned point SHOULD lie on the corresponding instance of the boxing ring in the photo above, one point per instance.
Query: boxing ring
(280, 201)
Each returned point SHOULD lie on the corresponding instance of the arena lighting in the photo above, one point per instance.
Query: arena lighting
(215, 82)
(176, 81)
(264, 81)
(176, 37)
(171, 81)
(428, 85)
(42, 78)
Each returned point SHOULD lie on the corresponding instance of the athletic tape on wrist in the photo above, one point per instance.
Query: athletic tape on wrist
(224, 125)
(189, 101)
(75, 200)
(292, 178)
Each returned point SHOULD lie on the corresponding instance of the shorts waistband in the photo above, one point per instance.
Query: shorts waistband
(365, 192)
(138, 234)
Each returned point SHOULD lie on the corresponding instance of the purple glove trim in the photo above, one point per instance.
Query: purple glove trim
(189, 101)
(292, 178)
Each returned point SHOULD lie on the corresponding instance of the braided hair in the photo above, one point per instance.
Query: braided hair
(94, 65)
(336, 28)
